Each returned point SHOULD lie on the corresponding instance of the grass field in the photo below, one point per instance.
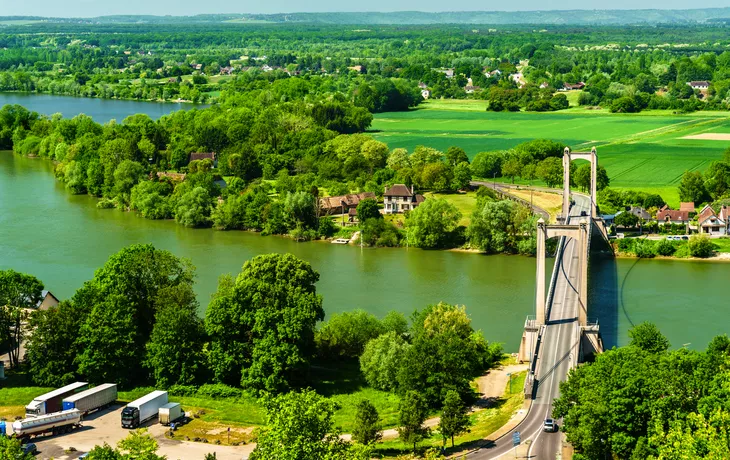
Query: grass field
(640, 151)
(466, 203)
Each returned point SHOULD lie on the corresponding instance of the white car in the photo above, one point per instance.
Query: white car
(550, 425)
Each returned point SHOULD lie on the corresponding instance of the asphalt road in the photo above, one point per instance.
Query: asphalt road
(554, 361)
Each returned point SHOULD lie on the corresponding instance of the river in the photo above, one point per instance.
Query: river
(62, 239)
(101, 110)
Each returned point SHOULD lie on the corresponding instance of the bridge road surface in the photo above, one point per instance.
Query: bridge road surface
(555, 356)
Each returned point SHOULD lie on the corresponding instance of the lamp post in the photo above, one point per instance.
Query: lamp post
(509, 374)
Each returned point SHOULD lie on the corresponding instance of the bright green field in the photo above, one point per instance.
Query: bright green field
(643, 151)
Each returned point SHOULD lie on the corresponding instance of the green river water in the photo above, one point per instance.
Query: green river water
(62, 239)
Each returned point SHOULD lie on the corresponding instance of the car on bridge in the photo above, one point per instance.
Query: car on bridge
(550, 425)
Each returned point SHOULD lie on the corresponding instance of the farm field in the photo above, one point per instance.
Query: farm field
(647, 151)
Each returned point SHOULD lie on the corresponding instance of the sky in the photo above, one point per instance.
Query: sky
(91, 8)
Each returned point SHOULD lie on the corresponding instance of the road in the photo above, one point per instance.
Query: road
(554, 361)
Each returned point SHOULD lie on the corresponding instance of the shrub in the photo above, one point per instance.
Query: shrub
(665, 248)
(645, 249)
(700, 246)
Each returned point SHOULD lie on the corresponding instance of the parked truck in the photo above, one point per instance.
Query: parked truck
(92, 399)
(53, 401)
(170, 413)
(143, 409)
(58, 422)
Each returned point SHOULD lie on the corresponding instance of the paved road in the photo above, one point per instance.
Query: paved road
(555, 356)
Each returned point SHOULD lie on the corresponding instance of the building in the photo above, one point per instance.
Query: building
(422, 85)
(573, 86)
(471, 89)
(400, 198)
(425, 93)
(343, 203)
(203, 156)
(699, 84)
(48, 300)
(710, 223)
(687, 206)
(494, 73)
(544, 85)
(448, 72)
(670, 216)
(639, 212)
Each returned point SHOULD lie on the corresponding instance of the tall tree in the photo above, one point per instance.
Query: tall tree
(18, 293)
(412, 413)
(262, 326)
(367, 427)
(692, 187)
(454, 419)
(431, 224)
(648, 337)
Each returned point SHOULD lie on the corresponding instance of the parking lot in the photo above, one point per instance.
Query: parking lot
(105, 427)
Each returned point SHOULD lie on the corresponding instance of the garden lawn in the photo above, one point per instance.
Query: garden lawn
(646, 151)
(466, 203)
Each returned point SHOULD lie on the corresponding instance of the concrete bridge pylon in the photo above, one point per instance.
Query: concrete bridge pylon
(569, 156)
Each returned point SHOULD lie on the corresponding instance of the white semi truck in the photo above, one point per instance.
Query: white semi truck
(143, 409)
(59, 422)
(92, 399)
(53, 401)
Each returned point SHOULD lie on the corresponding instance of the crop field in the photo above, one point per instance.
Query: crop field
(648, 151)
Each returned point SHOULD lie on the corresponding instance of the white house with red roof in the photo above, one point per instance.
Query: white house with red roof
(400, 198)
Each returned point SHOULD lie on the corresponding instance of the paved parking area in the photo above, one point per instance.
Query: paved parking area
(105, 427)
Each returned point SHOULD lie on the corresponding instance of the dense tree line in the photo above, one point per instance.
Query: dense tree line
(646, 401)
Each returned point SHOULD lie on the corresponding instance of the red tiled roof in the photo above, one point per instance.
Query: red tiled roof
(672, 215)
(349, 200)
(202, 156)
(688, 206)
(724, 213)
(706, 212)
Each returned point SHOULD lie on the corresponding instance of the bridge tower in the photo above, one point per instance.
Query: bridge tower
(569, 156)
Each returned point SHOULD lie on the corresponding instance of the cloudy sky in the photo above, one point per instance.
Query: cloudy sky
(90, 8)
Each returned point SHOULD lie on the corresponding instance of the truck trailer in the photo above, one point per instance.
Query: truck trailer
(170, 413)
(143, 409)
(59, 422)
(92, 399)
(53, 401)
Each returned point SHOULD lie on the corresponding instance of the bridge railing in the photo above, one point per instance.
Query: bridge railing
(554, 276)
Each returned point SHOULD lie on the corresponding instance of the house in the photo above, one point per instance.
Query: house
(687, 206)
(425, 93)
(400, 198)
(343, 203)
(573, 86)
(204, 156)
(177, 177)
(471, 89)
(356, 68)
(48, 300)
(710, 223)
(448, 72)
(544, 85)
(639, 212)
(670, 216)
(699, 84)
(494, 73)
(422, 85)
(226, 70)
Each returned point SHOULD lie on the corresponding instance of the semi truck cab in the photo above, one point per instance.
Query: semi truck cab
(130, 417)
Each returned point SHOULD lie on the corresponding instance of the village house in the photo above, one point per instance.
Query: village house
(48, 300)
(174, 176)
(544, 85)
(711, 223)
(226, 70)
(448, 72)
(422, 85)
(400, 198)
(204, 156)
(573, 86)
(670, 216)
(343, 203)
(469, 89)
(688, 206)
(425, 93)
(356, 68)
(640, 212)
(494, 73)
(699, 84)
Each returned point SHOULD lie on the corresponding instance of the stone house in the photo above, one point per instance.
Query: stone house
(400, 198)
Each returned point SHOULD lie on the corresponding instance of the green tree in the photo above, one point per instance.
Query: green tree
(261, 327)
(432, 223)
(301, 210)
(299, 426)
(345, 334)
(382, 359)
(462, 176)
(194, 208)
(511, 168)
(647, 337)
(692, 187)
(445, 354)
(487, 164)
(175, 347)
(368, 209)
(122, 302)
(550, 170)
(139, 445)
(456, 156)
(11, 448)
(367, 426)
(126, 176)
(412, 412)
(627, 220)
(491, 226)
(700, 246)
(18, 293)
(104, 452)
(398, 159)
(454, 419)
(53, 346)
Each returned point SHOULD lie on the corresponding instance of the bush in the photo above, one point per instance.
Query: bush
(626, 245)
(665, 248)
(105, 203)
(700, 246)
(645, 249)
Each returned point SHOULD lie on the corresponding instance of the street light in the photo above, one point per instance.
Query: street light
(509, 374)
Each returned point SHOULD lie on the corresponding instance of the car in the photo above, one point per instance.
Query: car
(550, 425)
(30, 448)
(685, 237)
